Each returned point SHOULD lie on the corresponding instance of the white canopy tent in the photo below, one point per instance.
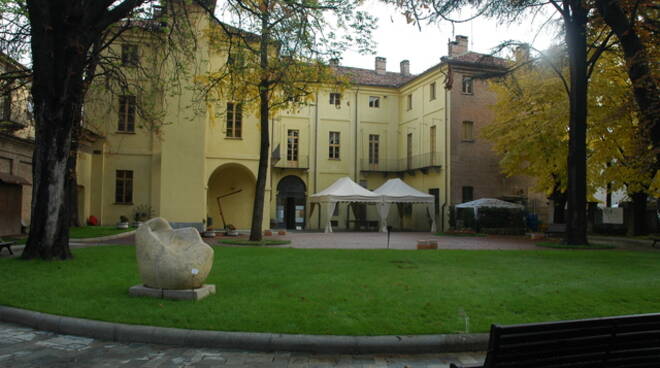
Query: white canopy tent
(397, 191)
(343, 190)
(488, 202)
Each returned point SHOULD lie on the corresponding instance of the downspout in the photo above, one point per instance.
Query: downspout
(447, 122)
(357, 91)
(316, 154)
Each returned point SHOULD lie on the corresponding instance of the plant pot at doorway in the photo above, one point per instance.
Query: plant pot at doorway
(123, 222)
(230, 230)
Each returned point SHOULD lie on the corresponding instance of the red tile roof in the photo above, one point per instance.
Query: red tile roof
(368, 77)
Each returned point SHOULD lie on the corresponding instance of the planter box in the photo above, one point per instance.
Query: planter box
(122, 225)
(232, 233)
(427, 244)
(281, 232)
(268, 233)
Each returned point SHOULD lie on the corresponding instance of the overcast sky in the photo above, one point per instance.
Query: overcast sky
(397, 40)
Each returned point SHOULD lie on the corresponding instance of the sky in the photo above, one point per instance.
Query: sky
(397, 40)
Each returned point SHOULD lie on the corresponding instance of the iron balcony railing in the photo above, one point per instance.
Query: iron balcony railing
(283, 163)
(416, 162)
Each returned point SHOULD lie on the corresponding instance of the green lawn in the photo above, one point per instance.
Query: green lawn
(356, 292)
(82, 232)
(559, 245)
(95, 231)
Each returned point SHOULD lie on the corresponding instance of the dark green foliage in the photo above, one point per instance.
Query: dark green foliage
(491, 217)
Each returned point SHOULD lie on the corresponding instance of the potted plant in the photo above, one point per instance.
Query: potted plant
(208, 233)
(230, 230)
(123, 222)
(141, 214)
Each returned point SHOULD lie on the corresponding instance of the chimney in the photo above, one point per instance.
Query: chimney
(458, 47)
(405, 68)
(380, 65)
(522, 53)
(334, 62)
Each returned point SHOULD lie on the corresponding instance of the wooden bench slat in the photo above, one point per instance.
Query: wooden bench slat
(584, 323)
(511, 338)
(612, 340)
(549, 352)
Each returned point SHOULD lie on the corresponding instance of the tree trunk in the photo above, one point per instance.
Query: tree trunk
(264, 147)
(558, 202)
(576, 39)
(72, 174)
(639, 68)
(638, 214)
(58, 56)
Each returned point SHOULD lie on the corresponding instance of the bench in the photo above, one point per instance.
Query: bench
(8, 244)
(556, 230)
(624, 341)
(655, 239)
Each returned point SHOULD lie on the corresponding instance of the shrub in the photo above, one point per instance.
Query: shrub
(495, 218)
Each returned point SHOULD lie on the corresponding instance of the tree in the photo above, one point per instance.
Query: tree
(530, 130)
(67, 41)
(275, 61)
(635, 23)
(581, 56)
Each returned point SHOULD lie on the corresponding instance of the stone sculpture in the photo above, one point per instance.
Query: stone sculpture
(171, 259)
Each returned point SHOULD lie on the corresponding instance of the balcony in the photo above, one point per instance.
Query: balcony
(281, 161)
(423, 162)
(301, 163)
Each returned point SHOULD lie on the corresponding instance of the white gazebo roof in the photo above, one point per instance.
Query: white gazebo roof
(395, 190)
(489, 202)
(345, 190)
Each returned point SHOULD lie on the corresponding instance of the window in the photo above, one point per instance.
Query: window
(292, 145)
(435, 192)
(129, 55)
(409, 151)
(467, 85)
(335, 99)
(126, 114)
(5, 106)
(334, 146)
(409, 101)
(124, 187)
(432, 134)
(234, 120)
(468, 131)
(468, 194)
(373, 148)
(432, 91)
(374, 101)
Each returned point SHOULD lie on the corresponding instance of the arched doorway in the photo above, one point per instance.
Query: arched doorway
(291, 203)
(230, 197)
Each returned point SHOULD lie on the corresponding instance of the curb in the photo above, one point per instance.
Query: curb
(620, 241)
(102, 238)
(254, 341)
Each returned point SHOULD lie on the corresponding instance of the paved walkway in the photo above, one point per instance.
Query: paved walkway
(24, 347)
(401, 240)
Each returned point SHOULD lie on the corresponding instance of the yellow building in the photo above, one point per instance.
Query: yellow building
(200, 169)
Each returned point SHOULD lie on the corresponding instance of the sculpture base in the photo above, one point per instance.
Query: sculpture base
(186, 294)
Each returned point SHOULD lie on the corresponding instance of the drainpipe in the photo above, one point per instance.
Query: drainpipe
(447, 130)
(316, 154)
(357, 91)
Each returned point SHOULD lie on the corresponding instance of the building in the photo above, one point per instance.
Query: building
(201, 169)
(16, 146)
